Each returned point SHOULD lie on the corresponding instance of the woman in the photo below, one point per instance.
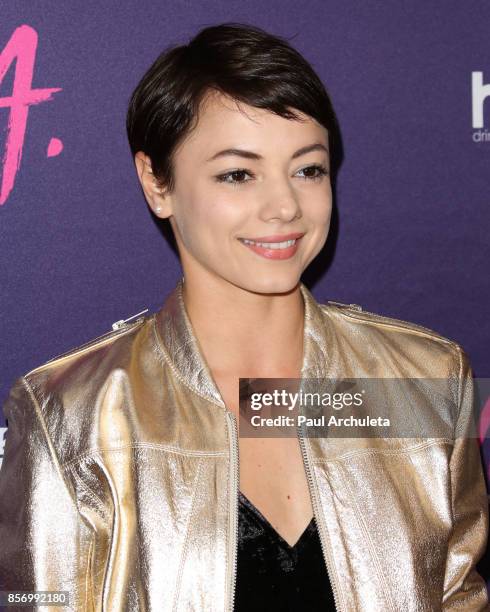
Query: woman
(125, 482)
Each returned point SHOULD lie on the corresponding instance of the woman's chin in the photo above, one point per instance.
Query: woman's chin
(272, 284)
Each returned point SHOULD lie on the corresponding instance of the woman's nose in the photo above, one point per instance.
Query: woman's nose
(280, 201)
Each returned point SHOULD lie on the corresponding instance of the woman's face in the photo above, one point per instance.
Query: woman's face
(250, 175)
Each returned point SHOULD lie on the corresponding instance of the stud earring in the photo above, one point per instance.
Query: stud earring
(158, 209)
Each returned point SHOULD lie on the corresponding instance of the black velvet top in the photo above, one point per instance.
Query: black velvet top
(273, 576)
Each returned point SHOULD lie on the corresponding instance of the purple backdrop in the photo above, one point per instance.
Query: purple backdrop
(79, 249)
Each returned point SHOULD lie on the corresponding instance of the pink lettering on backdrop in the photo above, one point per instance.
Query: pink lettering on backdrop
(21, 48)
(484, 427)
(484, 422)
(55, 147)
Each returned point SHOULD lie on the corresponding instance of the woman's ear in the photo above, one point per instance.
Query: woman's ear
(158, 200)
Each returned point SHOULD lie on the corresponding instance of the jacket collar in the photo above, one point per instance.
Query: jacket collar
(181, 349)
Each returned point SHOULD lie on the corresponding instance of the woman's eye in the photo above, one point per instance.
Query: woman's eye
(233, 177)
(236, 177)
(314, 172)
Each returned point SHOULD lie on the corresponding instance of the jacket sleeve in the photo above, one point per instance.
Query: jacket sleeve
(43, 541)
(464, 588)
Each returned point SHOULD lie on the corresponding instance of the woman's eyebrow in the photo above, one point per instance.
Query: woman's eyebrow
(317, 146)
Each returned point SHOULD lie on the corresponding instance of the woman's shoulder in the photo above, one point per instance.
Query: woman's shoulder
(84, 360)
(422, 347)
(358, 316)
(63, 389)
(61, 396)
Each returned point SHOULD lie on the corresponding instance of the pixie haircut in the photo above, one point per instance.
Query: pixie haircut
(240, 61)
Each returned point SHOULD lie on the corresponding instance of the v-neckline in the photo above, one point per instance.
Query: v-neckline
(258, 514)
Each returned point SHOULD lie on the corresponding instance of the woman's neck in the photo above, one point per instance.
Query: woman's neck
(246, 334)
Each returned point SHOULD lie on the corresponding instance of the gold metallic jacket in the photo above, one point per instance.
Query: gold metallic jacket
(120, 476)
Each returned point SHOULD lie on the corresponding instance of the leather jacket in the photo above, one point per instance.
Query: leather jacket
(121, 474)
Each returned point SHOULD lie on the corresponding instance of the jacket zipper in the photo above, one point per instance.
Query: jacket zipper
(233, 512)
(124, 322)
(232, 549)
(324, 538)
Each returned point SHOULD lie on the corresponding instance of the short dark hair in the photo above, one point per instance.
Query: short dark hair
(241, 61)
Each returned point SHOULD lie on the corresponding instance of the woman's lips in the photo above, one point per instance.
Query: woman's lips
(273, 253)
